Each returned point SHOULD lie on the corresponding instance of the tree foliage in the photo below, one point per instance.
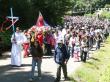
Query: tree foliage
(105, 14)
(107, 6)
(27, 10)
(52, 10)
(88, 6)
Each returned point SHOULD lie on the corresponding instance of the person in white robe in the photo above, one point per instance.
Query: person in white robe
(17, 40)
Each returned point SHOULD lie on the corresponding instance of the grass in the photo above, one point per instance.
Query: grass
(97, 68)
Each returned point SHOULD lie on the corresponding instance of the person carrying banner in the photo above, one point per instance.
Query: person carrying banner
(36, 51)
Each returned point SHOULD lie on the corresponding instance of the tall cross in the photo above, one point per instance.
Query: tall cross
(12, 19)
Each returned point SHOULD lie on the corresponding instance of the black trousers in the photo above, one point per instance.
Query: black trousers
(64, 68)
(83, 56)
(48, 49)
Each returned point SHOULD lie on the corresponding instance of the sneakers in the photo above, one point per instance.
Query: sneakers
(30, 80)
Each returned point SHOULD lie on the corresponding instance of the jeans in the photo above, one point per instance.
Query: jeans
(72, 51)
(91, 42)
(34, 63)
(98, 45)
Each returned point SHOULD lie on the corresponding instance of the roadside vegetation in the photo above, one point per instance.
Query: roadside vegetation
(97, 68)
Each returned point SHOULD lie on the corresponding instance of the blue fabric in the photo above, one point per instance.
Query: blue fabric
(34, 63)
(61, 54)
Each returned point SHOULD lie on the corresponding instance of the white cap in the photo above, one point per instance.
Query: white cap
(60, 41)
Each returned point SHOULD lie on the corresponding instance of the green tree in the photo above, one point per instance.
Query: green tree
(88, 5)
(21, 8)
(53, 10)
(107, 6)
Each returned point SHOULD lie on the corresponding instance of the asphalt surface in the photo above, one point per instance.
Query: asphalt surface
(21, 74)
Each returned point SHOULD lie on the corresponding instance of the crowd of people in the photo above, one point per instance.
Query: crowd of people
(77, 37)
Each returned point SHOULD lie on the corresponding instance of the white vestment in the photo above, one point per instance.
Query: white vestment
(16, 48)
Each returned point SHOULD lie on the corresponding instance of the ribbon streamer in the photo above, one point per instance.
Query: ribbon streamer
(11, 24)
(3, 24)
(7, 20)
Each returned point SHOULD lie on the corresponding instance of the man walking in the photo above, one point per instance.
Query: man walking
(61, 58)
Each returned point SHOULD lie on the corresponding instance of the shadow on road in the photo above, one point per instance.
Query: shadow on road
(5, 55)
(96, 59)
(17, 74)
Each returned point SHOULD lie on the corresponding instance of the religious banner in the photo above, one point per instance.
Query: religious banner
(41, 25)
(40, 20)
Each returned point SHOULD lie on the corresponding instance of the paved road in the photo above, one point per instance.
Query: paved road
(21, 74)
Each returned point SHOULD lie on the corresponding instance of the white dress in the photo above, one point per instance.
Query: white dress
(77, 45)
(16, 49)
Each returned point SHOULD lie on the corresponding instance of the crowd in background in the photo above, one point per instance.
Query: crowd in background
(78, 34)
(75, 39)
